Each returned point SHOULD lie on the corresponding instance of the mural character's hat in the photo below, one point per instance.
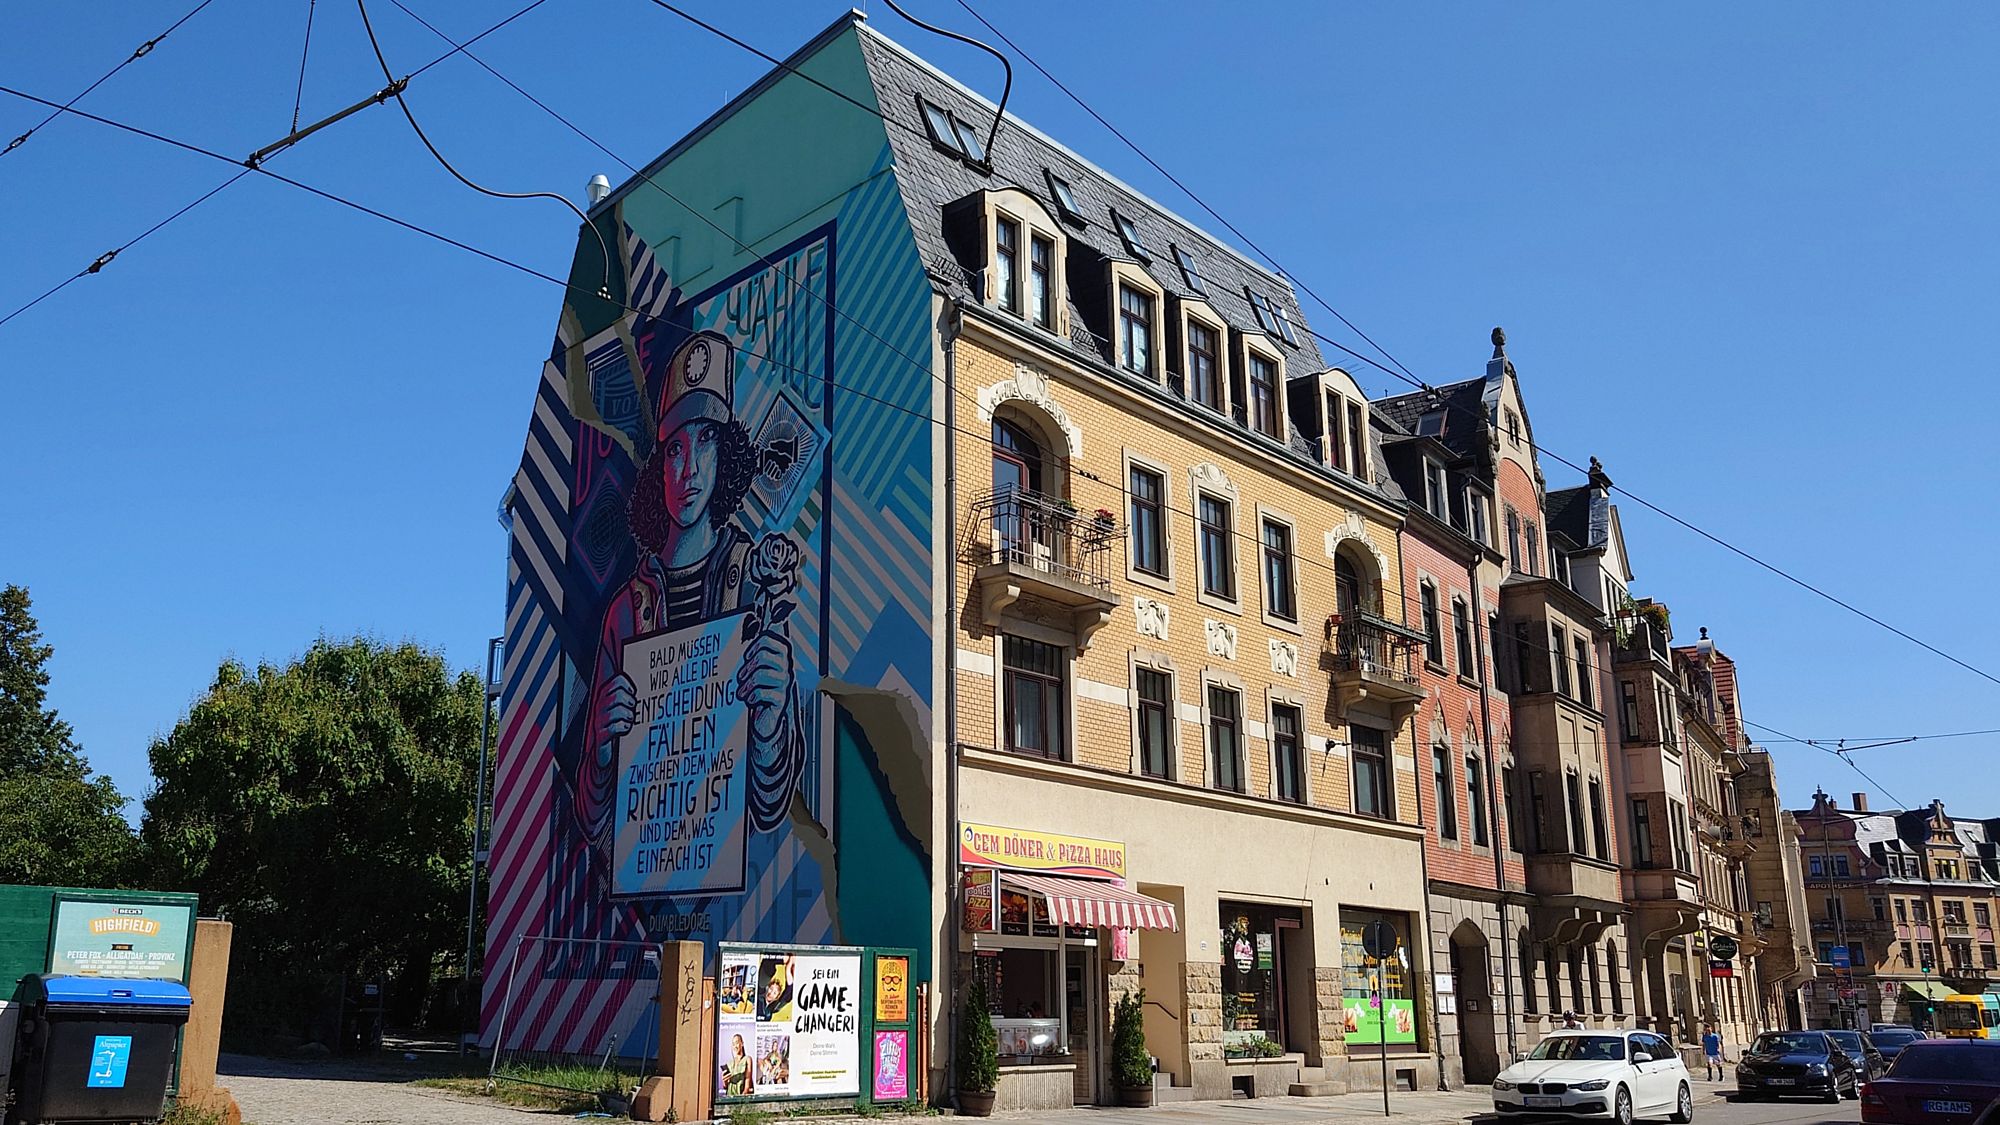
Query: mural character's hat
(701, 381)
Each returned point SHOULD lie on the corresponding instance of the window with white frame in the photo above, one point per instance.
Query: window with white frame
(1041, 281)
(1065, 197)
(1135, 329)
(1007, 263)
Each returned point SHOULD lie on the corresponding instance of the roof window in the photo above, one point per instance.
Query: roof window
(1272, 317)
(951, 133)
(1065, 198)
(1135, 245)
(1189, 273)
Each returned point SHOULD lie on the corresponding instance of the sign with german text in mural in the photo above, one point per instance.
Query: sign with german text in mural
(1023, 849)
(144, 940)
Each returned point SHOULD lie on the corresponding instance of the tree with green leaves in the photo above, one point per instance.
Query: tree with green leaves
(325, 808)
(59, 824)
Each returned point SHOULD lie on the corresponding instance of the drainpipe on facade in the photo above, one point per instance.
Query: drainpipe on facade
(1493, 810)
(948, 341)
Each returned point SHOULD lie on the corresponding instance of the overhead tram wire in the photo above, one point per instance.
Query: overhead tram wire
(1240, 537)
(105, 259)
(604, 248)
(1190, 193)
(1406, 375)
(1303, 560)
(305, 53)
(1407, 597)
(140, 52)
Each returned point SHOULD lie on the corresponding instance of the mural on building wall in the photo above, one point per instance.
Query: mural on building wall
(716, 703)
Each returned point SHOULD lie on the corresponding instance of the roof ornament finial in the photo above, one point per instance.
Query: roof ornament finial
(1499, 342)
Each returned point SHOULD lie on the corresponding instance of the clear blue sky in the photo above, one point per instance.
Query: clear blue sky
(1744, 254)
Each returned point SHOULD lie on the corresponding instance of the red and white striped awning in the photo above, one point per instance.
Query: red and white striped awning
(1086, 902)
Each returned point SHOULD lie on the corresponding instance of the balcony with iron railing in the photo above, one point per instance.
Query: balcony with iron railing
(1375, 658)
(1025, 545)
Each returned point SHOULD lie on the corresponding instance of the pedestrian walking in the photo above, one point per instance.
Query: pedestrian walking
(1711, 1050)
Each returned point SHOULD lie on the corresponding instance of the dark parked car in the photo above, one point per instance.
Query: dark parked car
(1890, 1039)
(1861, 1047)
(1794, 1063)
(1936, 1082)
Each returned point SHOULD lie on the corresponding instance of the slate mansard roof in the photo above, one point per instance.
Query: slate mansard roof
(1021, 158)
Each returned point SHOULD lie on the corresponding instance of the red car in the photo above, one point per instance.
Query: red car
(1936, 1082)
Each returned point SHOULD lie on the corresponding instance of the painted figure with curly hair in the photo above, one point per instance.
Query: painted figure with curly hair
(696, 565)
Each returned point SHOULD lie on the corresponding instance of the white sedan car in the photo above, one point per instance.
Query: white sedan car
(1609, 1073)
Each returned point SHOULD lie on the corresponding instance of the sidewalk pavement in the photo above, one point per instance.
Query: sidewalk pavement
(1430, 1107)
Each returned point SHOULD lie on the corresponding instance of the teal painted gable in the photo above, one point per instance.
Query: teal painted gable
(718, 688)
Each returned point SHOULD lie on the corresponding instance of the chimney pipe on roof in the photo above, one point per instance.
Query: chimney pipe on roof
(1860, 802)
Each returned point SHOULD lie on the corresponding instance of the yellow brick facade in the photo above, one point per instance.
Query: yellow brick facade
(1209, 851)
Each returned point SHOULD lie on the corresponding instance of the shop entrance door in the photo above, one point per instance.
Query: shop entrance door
(1083, 989)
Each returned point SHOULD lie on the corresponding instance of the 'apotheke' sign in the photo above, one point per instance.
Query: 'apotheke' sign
(1021, 849)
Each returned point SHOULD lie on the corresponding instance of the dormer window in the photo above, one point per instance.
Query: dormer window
(1135, 330)
(1134, 245)
(1007, 263)
(1065, 198)
(1434, 493)
(1204, 376)
(1431, 423)
(1024, 259)
(1264, 413)
(1267, 317)
(1041, 281)
(1189, 273)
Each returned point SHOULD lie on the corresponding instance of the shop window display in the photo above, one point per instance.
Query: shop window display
(1371, 1017)
(1253, 985)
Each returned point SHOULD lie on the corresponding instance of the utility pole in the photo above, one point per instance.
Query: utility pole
(490, 677)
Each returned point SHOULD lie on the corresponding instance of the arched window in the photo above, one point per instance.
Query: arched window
(1017, 459)
(1347, 586)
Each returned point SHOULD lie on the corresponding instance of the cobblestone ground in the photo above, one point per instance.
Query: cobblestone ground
(316, 1092)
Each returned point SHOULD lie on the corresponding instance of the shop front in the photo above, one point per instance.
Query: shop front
(1380, 1013)
(1046, 918)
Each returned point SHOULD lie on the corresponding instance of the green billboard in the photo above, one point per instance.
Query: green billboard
(112, 937)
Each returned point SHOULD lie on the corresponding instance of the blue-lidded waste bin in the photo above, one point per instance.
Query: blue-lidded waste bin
(96, 1049)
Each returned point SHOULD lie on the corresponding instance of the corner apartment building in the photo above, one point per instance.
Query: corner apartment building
(1547, 921)
(1902, 905)
(1183, 628)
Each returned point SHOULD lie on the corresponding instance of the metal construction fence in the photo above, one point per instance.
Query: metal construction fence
(579, 1014)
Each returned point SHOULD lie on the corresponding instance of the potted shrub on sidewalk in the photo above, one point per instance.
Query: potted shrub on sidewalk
(1131, 1066)
(978, 1054)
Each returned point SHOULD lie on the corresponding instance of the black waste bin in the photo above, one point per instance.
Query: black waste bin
(96, 1049)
